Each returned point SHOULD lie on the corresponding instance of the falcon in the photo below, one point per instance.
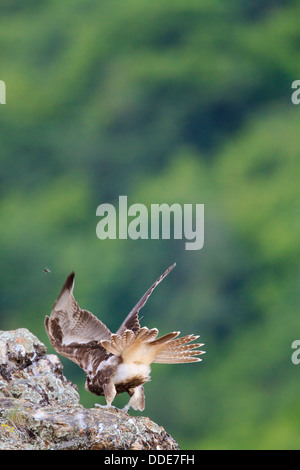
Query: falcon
(120, 362)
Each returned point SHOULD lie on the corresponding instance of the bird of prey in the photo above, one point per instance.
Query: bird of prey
(114, 363)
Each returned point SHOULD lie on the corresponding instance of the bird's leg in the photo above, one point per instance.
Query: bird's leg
(109, 392)
(137, 399)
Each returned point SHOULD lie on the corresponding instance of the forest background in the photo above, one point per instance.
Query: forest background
(170, 101)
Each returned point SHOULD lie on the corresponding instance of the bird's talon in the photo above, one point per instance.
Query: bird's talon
(105, 407)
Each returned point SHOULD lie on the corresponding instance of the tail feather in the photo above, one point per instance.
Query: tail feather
(147, 335)
(165, 339)
(119, 344)
(176, 360)
(186, 348)
(179, 342)
(178, 351)
(142, 347)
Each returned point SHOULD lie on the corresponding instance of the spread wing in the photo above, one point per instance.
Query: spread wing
(131, 322)
(75, 333)
(140, 345)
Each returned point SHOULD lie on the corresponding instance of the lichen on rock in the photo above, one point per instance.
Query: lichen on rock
(40, 409)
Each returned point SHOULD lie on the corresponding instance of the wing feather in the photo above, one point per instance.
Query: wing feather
(131, 322)
(74, 332)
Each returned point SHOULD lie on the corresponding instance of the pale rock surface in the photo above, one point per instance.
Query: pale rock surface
(40, 409)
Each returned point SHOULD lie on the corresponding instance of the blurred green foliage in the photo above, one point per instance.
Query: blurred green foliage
(169, 101)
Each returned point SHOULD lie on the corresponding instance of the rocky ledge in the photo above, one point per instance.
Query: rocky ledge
(40, 409)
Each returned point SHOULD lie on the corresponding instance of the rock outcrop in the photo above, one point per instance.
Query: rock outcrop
(40, 409)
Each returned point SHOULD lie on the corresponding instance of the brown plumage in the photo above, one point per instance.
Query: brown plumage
(114, 363)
